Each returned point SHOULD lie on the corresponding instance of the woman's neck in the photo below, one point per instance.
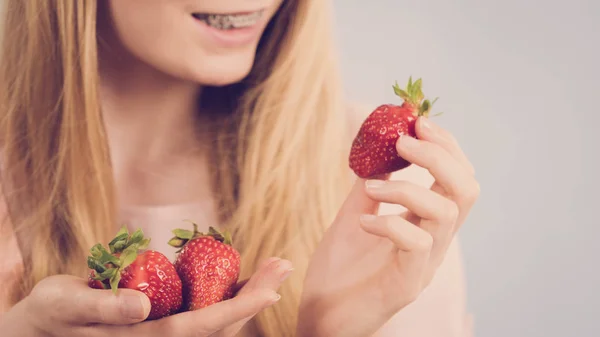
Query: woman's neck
(147, 113)
(152, 124)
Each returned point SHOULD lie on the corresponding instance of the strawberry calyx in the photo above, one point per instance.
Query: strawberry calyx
(183, 236)
(413, 96)
(122, 251)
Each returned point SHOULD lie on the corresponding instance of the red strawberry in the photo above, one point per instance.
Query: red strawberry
(208, 265)
(128, 266)
(374, 147)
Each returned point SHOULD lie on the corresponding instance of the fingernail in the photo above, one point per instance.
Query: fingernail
(374, 183)
(272, 261)
(368, 218)
(286, 274)
(132, 307)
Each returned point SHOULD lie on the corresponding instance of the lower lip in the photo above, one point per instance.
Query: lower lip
(233, 37)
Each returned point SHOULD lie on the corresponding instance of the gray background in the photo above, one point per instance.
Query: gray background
(518, 84)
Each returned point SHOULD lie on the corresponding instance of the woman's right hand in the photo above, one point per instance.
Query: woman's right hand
(65, 306)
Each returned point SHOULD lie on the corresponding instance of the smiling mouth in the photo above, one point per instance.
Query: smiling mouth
(230, 21)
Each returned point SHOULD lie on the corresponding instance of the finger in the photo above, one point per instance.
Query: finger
(227, 313)
(447, 171)
(70, 300)
(270, 275)
(241, 284)
(211, 319)
(436, 214)
(405, 235)
(464, 205)
(414, 244)
(430, 131)
(358, 202)
(228, 317)
(422, 201)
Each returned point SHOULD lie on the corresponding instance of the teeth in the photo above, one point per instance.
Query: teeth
(230, 21)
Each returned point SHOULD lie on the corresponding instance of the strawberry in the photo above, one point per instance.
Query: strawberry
(373, 150)
(128, 265)
(208, 265)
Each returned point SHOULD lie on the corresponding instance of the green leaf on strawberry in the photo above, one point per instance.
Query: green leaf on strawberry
(127, 264)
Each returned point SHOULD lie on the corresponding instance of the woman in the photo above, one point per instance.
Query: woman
(227, 112)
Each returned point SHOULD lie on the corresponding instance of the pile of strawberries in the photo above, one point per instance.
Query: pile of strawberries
(205, 271)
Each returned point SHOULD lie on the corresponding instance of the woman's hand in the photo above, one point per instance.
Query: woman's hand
(66, 306)
(368, 267)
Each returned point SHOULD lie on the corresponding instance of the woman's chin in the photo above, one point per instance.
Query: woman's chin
(221, 79)
(220, 74)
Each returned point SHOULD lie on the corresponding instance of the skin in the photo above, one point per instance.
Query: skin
(156, 156)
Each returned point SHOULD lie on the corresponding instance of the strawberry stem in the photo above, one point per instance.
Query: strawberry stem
(413, 95)
(183, 236)
(122, 251)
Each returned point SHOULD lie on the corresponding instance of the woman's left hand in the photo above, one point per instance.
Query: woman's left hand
(367, 267)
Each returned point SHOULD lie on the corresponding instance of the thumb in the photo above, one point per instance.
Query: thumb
(127, 306)
(83, 305)
(358, 202)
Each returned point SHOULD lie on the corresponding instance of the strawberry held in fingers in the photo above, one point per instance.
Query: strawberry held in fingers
(208, 265)
(373, 150)
(128, 265)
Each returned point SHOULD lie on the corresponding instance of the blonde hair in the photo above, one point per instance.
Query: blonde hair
(281, 150)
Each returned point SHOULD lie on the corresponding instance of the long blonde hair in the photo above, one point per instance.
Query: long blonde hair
(281, 149)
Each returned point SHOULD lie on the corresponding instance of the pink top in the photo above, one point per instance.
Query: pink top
(158, 221)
